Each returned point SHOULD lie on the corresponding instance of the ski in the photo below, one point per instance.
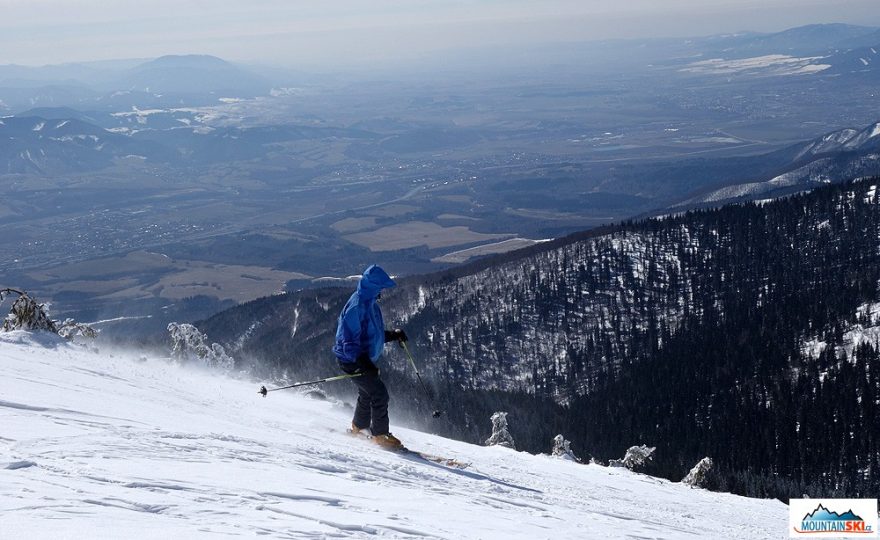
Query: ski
(448, 462)
(404, 451)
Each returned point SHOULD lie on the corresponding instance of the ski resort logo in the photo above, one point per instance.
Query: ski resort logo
(838, 518)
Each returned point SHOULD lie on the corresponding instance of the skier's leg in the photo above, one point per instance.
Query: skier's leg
(361, 419)
(372, 405)
(373, 398)
(379, 407)
(371, 385)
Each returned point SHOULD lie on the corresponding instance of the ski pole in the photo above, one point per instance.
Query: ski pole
(436, 413)
(263, 391)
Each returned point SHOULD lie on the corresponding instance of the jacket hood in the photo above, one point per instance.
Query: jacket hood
(373, 281)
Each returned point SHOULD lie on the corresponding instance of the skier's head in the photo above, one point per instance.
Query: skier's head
(373, 281)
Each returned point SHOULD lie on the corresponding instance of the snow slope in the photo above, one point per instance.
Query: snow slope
(99, 445)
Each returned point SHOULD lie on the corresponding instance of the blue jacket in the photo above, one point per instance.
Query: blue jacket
(361, 329)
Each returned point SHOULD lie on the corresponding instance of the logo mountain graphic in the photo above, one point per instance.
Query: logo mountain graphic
(823, 514)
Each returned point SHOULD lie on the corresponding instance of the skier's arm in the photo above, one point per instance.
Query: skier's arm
(350, 346)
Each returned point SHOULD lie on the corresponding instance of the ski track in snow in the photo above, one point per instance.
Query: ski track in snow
(100, 445)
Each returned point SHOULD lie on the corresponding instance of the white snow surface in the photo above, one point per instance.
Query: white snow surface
(842, 140)
(771, 64)
(100, 445)
(789, 179)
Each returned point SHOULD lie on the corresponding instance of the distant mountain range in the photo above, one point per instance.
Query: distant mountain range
(194, 75)
(38, 145)
(168, 81)
(49, 140)
(836, 50)
(817, 44)
(844, 153)
(861, 62)
(830, 51)
(844, 140)
(814, 39)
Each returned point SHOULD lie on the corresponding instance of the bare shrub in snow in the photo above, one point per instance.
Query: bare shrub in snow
(500, 434)
(562, 448)
(698, 475)
(188, 343)
(26, 314)
(636, 456)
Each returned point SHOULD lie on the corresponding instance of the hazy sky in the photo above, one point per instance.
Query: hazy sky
(351, 32)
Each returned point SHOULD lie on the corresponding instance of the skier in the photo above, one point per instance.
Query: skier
(360, 338)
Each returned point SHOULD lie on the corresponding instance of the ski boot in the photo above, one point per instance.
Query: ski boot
(388, 441)
(354, 430)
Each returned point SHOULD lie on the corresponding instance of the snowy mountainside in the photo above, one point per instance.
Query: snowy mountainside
(550, 319)
(117, 445)
(858, 62)
(69, 141)
(844, 153)
(553, 322)
(610, 325)
(568, 299)
(863, 330)
(844, 140)
(34, 144)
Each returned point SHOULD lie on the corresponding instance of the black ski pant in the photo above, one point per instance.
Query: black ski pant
(372, 403)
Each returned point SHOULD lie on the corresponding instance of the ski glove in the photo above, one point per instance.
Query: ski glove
(366, 366)
(396, 335)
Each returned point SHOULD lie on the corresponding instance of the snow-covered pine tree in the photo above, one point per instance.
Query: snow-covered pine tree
(500, 434)
(26, 314)
(636, 456)
(698, 475)
(188, 343)
(70, 329)
(562, 448)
